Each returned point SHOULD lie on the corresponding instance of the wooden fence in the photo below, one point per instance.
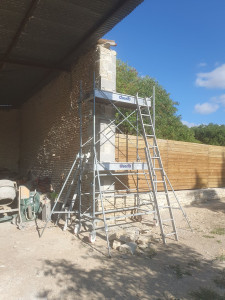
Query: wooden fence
(188, 165)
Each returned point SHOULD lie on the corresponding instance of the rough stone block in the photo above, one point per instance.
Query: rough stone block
(116, 244)
(142, 240)
(124, 249)
(128, 248)
(139, 252)
(113, 236)
(133, 247)
(143, 246)
(150, 251)
(130, 236)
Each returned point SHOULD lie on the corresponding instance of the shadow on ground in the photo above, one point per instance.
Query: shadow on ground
(173, 273)
(217, 205)
(209, 199)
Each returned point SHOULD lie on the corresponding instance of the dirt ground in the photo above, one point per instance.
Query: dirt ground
(62, 266)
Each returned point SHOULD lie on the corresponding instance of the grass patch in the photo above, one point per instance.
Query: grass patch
(179, 272)
(218, 230)
(209, 236)
(205, 294)
(220, 280)
(221, 257)
(219, 241)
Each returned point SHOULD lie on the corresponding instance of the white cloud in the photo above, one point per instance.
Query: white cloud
(213, 79)
(206, 108)
(202, 64)
(189, 124)
(211, 106)
(219, 100)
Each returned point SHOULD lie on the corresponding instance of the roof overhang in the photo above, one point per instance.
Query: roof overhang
(43, 37)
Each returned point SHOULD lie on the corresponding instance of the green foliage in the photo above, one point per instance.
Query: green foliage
(218, 230)
(53, 195)
(208, 236)
(211, 134)
(221, 257)
(168, 123)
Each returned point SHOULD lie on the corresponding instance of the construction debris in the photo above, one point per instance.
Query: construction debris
(131, 241)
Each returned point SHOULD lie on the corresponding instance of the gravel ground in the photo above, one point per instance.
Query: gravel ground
(62, 266)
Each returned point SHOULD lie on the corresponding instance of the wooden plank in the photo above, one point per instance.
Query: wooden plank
(188, 165)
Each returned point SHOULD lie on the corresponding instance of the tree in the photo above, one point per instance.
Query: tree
(168, 123)
(211, 134)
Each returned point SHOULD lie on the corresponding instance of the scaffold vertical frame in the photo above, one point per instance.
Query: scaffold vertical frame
(80, 197)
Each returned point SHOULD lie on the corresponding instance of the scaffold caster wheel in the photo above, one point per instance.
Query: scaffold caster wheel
(77, 229)
(92, 237)
(19, 223)
(65, 227)
(20, 226)
(14, 222)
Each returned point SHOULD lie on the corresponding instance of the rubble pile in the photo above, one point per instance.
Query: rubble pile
(133, 241)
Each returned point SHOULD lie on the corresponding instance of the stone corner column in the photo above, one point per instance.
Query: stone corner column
(105, 113)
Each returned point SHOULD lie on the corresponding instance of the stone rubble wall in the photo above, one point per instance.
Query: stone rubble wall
(50, 123)
(9, 141)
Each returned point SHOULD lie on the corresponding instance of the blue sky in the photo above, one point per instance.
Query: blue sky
(182, 45)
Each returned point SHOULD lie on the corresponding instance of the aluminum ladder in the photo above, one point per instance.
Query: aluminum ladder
(156, 172)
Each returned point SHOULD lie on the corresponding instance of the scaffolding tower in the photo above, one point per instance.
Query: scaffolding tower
(97, 192)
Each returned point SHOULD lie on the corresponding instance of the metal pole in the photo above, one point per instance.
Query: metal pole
(102, 204)
(81, 153)
(60, 193)
(153, 106)
(153, 117)
(137, 157)
(180, 207)
(154, 153)
(94, 142)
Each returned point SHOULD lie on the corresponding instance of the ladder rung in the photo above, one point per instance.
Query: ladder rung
(158, 181)
(64, 212)
(155, 157)
(145, 115)
(157, 169)
(150, 135)
(166, 220)
(148, 125)
(168, 234)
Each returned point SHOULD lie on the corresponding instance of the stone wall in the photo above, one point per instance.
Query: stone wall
(50, 123)
(9, 141)
(50, 119)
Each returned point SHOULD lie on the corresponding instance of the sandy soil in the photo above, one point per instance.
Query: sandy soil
(62, 266)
